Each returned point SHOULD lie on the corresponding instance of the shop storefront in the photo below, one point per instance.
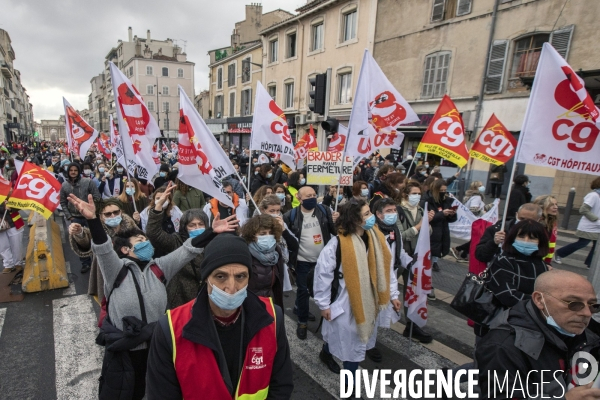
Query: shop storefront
(239, 131)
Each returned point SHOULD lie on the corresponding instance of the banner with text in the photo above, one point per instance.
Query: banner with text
(323, 168)
(36, 190)
(495, 145)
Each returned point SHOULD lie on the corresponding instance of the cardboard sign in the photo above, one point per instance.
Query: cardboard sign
(323, 168)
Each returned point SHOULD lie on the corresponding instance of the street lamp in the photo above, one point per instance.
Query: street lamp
(157, 103)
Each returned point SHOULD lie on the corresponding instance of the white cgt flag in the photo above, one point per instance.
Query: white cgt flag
(377, 111)
(270, 132)
(419, 284)
(202, 162)
(562, 123)
(80, 134)
(137, 127)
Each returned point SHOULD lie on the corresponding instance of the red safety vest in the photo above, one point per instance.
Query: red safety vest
(198, 371)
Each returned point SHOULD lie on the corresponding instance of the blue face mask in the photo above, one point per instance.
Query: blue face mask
(481, 189)
(130, 191)
(340, 197)
(302, 181)
(525, 248)
(226, 301)
(550, 321)
(281, 196)
(162, 174)
(309, 204)
(143, 250)
(101, 169)
(265, 242)
(364, 192)
(114, 221)
(390, 219)
(269, 175)
(196, 232)
(370, 223)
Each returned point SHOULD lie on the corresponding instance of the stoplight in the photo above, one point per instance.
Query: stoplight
(318, 85)
(330, 125)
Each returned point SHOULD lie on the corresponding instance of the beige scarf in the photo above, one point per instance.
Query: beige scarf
(367, 277)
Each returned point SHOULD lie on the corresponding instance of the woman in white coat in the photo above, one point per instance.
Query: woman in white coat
(367, 284)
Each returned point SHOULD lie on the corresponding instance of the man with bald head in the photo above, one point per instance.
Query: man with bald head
(493, 237)
(535, 342)
(312, 224)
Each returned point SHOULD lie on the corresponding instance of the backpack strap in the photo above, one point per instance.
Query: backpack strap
(337, 275)
(158, 273)
(293, 215)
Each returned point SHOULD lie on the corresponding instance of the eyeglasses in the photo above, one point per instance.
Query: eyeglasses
(578, 305)
(111, 213)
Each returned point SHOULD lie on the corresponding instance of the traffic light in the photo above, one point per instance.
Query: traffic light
(318, 85)
(330, 125)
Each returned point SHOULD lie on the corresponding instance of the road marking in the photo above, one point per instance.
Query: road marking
(78, 360)
(2, 317)
(70, 291)
(62, 232)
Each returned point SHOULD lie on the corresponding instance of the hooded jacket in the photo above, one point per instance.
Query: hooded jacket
(81, 188)
(440, 229)
(523, 344)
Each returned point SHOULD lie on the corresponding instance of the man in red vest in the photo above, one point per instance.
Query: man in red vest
(227, 343)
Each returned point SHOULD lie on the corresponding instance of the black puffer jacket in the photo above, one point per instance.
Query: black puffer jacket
(522, 343)
(440, 231)
(267, 280)
(486, 248)
(519, 195)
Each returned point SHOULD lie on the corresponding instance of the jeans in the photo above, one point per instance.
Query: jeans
(578, 245)
(85, 261)
(496, 190)
(302, 268)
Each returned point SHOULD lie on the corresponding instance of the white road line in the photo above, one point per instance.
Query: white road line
(78, 360)
(2, 317)
(70, 291)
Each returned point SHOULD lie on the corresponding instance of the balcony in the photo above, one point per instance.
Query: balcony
(6, 71)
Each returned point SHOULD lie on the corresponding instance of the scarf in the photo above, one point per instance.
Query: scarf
(413, 210)
(367, 277)
(394, 236)
(266, 258)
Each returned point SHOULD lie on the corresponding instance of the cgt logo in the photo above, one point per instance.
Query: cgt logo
(572, 96)
(257, 359)
(386, 113)
(279, 125)
(37, 188)
(495, 142)
(450, 126)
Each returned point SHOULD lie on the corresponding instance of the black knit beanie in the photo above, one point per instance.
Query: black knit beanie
(222, 250)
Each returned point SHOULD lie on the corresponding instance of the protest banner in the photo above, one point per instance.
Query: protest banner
(324, 168)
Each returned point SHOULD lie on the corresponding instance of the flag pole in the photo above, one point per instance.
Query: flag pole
(128, 176)
(247, 191)
(4, 216)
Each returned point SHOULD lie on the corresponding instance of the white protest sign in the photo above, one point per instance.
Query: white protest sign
(323, 168)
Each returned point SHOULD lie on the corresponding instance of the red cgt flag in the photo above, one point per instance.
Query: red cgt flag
(4, 189)
(495, 145)
(36, 190)
(445, 136)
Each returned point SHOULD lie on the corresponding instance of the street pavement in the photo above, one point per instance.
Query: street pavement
(48, 349)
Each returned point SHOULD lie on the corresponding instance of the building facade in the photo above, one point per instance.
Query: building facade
(325, 34)
(464, 48)
(53, 130)
(234, 73)
(202, 103)
(16, 112)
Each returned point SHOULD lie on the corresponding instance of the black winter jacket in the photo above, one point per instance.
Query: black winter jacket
(519, 195)
(267, 280)
(440, 230)
(521, 343)
(325, 221)
(486, 248)
(161, 378)
(81, 188)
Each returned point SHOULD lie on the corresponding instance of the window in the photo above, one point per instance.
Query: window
(165, 71)
(131, 71)
(349, 26)
(149, 70)
(446, 9)
(220, 78)
(180, 73)
(246, 105)
(273, 50)
(165, 91)
(561, 40)
(150, 105)
(317, 37)
(166, 107)
(436, 74)
(345, 86)
(496, 63)
(272, 91)
(527, 54)
(232, 104)
(231, 75)
(246, 69)
(291, 45)
(289, 95)
(218, 106)
(149, 89)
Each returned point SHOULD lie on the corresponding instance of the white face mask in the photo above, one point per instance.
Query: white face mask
(414, 199)
(166, 204)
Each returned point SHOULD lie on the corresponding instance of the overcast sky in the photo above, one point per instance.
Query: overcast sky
(61, 44)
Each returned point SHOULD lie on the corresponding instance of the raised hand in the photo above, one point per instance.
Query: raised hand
(136, 216)
(162, 197)
(87, 209)
(228, 224)
(75, 229)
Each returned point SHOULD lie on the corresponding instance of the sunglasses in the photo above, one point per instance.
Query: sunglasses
(111, 213)
(578, 305)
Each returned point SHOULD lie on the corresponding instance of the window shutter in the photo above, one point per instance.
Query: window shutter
(437, 13)
(464, 7)
(561, 40)
(496, 63)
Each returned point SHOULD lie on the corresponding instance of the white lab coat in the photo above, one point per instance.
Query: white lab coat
(176, 215)
(340, 333)
(241, 212)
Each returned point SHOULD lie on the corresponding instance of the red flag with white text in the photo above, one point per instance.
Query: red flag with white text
(104, 145)
(37, 190)
(202, 162)
(419, 278)
(495, 144)
(445, 135)
(80, 134)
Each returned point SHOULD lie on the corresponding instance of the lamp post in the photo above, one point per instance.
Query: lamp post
(157, 103)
